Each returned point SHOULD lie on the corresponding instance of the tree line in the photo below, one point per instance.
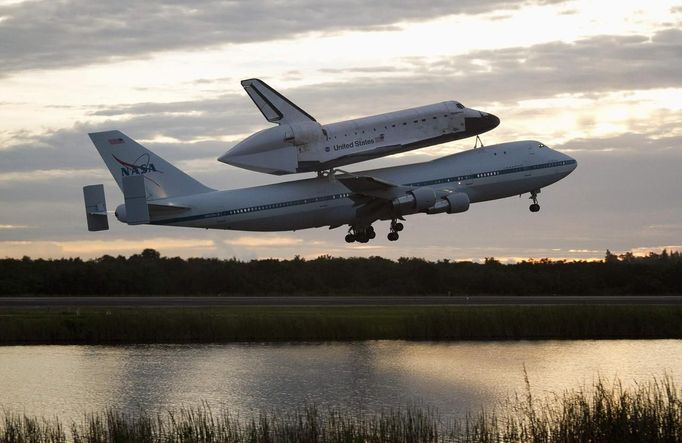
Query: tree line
(148, 273)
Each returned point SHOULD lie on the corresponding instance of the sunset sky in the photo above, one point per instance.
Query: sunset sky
(600, 81)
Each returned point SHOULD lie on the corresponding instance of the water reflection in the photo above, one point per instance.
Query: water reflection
(364, 376)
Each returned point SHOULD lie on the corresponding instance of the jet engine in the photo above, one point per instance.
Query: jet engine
(414, 201)
(451, 203)
(457, 202)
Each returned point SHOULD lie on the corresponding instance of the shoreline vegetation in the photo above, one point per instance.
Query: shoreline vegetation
(148, 273)
(604, 412)
(121, 325)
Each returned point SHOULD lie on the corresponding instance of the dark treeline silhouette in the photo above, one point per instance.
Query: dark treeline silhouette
(150, 274)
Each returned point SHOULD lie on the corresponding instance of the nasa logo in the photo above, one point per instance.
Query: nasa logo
(142, 165)
(327, 149)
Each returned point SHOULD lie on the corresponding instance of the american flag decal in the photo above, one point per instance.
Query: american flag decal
(116, 141)
(379, 139)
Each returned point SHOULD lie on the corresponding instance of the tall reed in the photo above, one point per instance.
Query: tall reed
(603, 412)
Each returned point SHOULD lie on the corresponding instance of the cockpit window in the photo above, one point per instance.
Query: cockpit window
(460, 106)
(541, 146)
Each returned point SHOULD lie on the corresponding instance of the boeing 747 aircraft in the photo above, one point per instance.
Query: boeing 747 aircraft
(300, 144)
(157, 193)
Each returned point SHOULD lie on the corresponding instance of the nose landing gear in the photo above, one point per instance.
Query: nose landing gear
(535, 207)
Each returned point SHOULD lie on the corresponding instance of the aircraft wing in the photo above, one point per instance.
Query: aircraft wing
(372, 187)
(275, 107)
(166, 209)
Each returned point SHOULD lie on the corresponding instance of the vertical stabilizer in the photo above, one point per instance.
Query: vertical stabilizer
(275, 107)
(126, 158)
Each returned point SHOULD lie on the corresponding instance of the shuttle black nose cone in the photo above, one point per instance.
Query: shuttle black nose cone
(494, 121)
(479, 125)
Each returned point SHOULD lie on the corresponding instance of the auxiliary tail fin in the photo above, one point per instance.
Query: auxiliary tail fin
(124, 157)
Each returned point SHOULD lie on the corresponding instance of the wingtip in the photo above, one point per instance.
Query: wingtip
(111, 131)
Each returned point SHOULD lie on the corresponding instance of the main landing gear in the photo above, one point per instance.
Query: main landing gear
(396, 227)
(363, 234)
(535, 207)
(360, 234)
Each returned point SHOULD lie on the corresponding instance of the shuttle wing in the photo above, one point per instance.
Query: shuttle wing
(275, 107)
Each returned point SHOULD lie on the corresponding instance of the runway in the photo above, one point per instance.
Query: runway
(474, 300)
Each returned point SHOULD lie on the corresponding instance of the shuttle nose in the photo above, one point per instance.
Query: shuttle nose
(484, 122)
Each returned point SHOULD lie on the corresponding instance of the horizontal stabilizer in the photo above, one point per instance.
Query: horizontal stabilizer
(95, 208)
(135, 195)
(275, 107)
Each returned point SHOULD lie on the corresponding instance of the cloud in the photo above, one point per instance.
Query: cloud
(47, 34)
(647, 144)
(42, 175)
(588, 68)
(225, 103)
(645, 250)
(7, 226)
(186, 120)
(69, 152)
(593, 65)
(666, 227)
(481, 79)
(362, 69)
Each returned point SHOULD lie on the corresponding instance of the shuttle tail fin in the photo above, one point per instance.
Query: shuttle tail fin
(275, 107)
(125, 158)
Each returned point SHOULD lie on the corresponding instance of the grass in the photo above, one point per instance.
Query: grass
(248, 324)
(649, 412)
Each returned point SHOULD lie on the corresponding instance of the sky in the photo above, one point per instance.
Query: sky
(600, 81)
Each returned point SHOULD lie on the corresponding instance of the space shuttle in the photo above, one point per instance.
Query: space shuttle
(299, 143)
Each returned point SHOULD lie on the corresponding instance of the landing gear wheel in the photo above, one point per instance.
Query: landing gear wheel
(370, 232)
(535, 207)
(360, 234)
(394, 229)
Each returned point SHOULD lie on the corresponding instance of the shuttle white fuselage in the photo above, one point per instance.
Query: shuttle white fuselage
(300, 144)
